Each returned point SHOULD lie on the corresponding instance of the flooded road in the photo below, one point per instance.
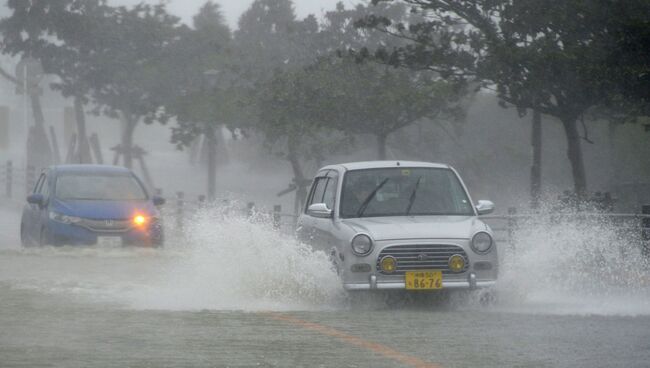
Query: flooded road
(231, 293)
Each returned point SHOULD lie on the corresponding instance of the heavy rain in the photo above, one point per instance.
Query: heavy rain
(295, 183)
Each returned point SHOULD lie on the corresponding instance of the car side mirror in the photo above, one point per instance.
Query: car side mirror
(319, 210)
(158, 201)
(36, 199)
(484, 207)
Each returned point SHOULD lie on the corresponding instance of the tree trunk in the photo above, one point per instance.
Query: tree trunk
(40, 153)
(127, 139)
(574, 152)
(298, 176)
(536, 170)
(83, 148)
(613, 167)
(211, 141)
(381, 145)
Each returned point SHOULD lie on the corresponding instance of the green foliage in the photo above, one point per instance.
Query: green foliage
(61, 34)
(290, 116)
(131, 75)
(553, 56)
(271, 39)
(207, 93)
(560, 57)
(379, 99)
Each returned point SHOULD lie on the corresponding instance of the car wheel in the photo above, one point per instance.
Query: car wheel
(42, 239)
(24, 238)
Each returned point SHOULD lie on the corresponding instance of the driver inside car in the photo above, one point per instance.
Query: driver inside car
(358, 193)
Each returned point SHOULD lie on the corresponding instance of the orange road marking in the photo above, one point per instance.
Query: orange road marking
(356, 341)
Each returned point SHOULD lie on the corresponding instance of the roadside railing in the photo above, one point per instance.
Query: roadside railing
(180, 206)
(632, 226)
(16, 181)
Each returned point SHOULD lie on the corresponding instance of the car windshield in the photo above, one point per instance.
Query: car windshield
(109, 187)
(403, 192)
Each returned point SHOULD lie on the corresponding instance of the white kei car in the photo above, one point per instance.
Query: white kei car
(400, 225)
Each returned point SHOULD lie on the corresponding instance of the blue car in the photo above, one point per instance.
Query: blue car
(91, 205)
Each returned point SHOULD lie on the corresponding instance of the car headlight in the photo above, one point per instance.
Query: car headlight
(361, 244)
(481, 242)
(64, 219)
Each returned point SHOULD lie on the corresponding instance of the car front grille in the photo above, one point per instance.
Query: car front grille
(415, 257)
(117, 226)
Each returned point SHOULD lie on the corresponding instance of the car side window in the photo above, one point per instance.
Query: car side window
(330, 192)
(45, 187)
(39, 184)
(319, 191)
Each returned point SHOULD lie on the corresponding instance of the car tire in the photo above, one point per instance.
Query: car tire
(42, 239)
(24, 238)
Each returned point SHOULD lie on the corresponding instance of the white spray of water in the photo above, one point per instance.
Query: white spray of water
(567, 265)
(233, 263)
(572, 264)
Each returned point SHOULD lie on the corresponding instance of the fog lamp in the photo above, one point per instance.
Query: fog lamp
(139, 220)
(456, 263)
(388, 264)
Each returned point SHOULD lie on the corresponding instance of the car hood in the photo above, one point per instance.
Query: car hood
(417, 227)
(97, 209)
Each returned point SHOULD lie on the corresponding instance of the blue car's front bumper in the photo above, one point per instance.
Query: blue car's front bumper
(71, 234)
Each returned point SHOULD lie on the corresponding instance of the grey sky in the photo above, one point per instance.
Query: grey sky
(233, 8)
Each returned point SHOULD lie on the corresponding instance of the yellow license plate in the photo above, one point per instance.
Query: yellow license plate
(423, 280)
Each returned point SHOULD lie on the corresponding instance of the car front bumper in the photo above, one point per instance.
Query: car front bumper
(374, 284)
(68, 234)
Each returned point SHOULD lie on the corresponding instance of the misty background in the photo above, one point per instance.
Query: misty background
(490, 145)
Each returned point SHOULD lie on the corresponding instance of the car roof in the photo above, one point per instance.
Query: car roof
(384, 164)
(87, 168)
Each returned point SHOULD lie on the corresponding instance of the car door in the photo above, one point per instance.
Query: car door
(324, 227)
(320, 228)
(44, 190)
(306, 223)
(32, 212)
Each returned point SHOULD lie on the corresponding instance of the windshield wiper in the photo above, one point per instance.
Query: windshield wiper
(366, 201)
(412, 197)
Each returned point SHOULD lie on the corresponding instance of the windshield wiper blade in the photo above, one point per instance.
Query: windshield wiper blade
(412, 197)
(366, 201)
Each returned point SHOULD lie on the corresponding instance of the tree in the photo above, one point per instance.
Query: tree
(270, 38)
(537, 54)
(61, 34)
(130, 78)
(210, 96)
(372, 98)
(23, 34)
(272, 47)
(291, 107)
(630, 27)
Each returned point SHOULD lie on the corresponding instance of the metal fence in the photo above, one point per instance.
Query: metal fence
(16, 181)
(179, 207)
(634, 227)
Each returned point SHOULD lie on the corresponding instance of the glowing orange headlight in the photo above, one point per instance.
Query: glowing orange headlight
(139, 220)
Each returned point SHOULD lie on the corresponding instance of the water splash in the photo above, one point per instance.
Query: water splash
(222, 261)
(571, 263)
(236, 263)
